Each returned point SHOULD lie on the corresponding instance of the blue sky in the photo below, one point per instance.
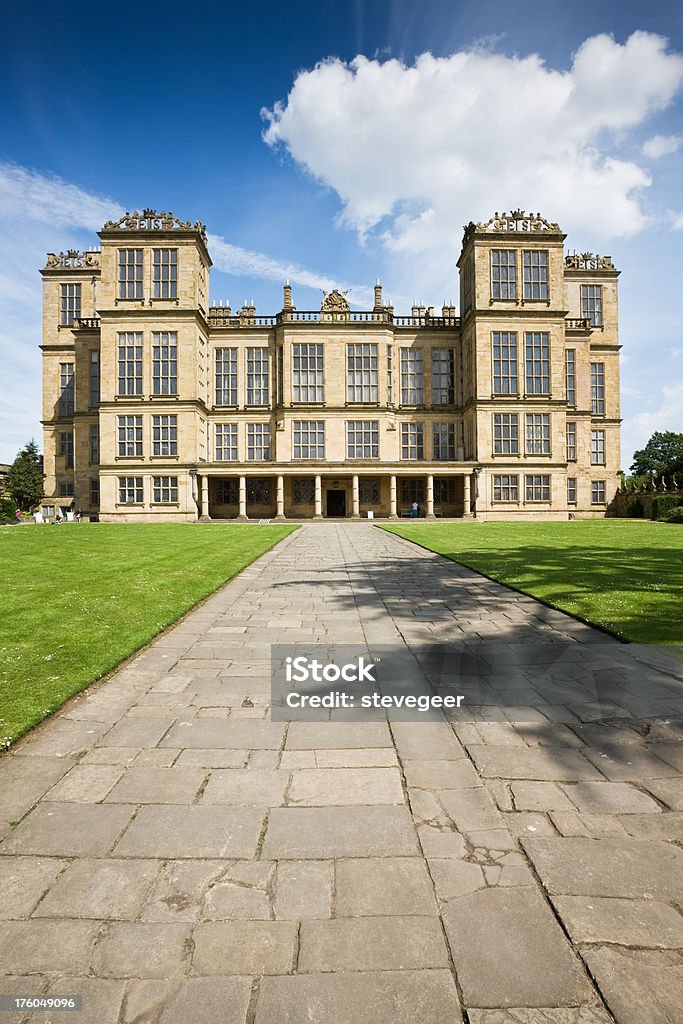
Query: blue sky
(337, 142)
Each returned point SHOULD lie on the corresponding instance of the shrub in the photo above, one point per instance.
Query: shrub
(673, 515)
(664, 503)
(8, 511)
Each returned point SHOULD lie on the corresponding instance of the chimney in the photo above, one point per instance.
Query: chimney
(287, 304)
(378, 297)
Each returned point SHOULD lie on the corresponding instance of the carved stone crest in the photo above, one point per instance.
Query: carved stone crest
(150, 220)
(335, 302)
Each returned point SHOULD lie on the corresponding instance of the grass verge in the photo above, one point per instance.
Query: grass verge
(625, 576)
(80, 599)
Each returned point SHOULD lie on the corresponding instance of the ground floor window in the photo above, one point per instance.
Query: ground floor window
(130, 490)
(48, 510)
(368, 491)
(227, 492)
(165, 489)
(412, 490)
(571, 490)
(304, 491)
(95, 491)
(537, 488)
(597, 492)
(505, 488)
(444, 490)
(258, 492)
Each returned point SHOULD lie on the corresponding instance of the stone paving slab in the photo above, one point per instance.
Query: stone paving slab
(170, 853)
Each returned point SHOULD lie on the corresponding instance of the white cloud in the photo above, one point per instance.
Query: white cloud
(231, 259)
(662, 145)
(414, 152)
(638, 429)
(677, 223)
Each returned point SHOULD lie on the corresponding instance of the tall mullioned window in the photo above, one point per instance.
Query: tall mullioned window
(506, 433)
(571, 442)
(598, 389)
(571, 490)
(443, 376)
(258, 492)
(591, 304)
(308, 439)
(94, 444)
(164, 363)
(538, 433)
(412, 441)
(226, 376)
(66, 389)
(164, 273)
(69, 304)
(390, 374)
(570, 376)
(503, 274)
(537, 350)
(537, 488)
(505, 363)
(226, 442)
(443, 442)
(257, 376)
(165, 490)
(130, 436)
(130, 490)
(130, 273)
(535, 263)
(505, 487)
(362, 439)
(94, 378)
(412, 490)
(307, 373)
(412, 376)
(361, 373)
(66, 448)
(597, 447)
(164, 435)
(258, 442)
(130, 363)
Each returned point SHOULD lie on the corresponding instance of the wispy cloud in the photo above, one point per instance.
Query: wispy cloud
(662, 145)
(232, 259)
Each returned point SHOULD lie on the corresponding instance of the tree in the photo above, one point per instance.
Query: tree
(663, 454)
(25, 478)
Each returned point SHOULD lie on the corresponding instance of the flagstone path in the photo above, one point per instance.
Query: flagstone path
(170, 854)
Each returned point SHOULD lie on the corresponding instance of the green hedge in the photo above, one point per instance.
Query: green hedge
(664, 503)
(8, 511)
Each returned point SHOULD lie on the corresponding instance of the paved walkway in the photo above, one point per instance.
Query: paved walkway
(182, 858)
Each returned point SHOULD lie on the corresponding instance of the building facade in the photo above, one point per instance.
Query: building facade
(160, 406)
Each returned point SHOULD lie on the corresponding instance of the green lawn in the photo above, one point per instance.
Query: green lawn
(81, 598)
(622, 575)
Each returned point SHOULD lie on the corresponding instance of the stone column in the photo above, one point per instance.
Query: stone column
(430, 497)
(355, 499)
(280, 497)
(205, 499)
(243, 498)
(393, 514)
(318, 497)
(467, 510)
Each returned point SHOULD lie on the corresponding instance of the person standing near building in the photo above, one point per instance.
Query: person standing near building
(415, 510)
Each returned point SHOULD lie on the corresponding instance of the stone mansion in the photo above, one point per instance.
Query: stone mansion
(160, 406)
